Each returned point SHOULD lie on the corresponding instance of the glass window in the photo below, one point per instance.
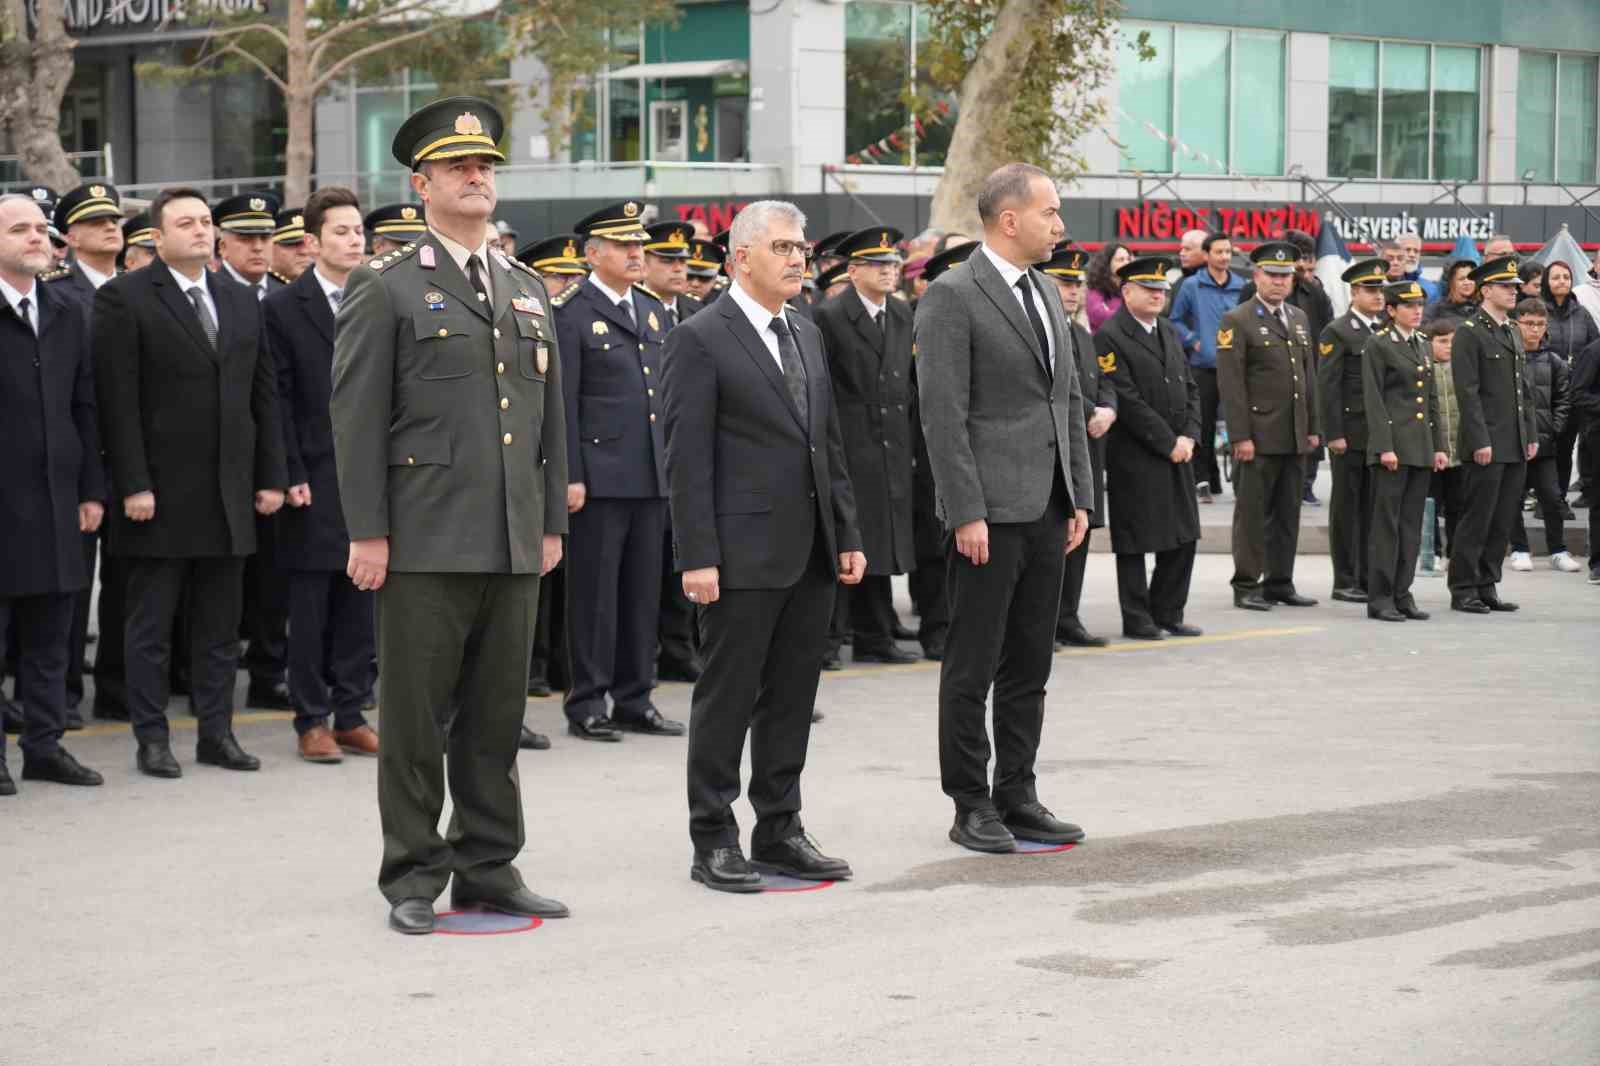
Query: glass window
(1404, 110)
(1576, 119)
(1144, 88)
(1455, 114)
(877, 67)
(1200, 57)
(1353, 108)
(1258, 119)
(1536, 115)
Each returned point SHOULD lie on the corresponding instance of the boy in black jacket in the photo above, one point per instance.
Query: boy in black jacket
(1547, 374)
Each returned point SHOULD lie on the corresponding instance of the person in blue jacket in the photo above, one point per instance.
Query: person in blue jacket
(1202, 300)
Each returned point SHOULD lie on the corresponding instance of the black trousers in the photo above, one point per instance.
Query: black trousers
(1205, 452)
(78, 636)
(1566, 442)
(613, 604)
(110, 664)
(866, 613)
(548, 663)
(933, 603)
(1160, 601)
(1493, 497)
(1266, 522)
(1448, 489)
(1398, 497)
(1002, 635)
(155, 588)
(331, 644)
(453, 661)
(38, 627)
(762, 650)
(1072, 572)
(675, 627)
(266, 611)
(1350, 517)
(1545, 479)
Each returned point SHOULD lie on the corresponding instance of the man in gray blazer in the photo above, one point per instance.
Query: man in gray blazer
(1010, 461)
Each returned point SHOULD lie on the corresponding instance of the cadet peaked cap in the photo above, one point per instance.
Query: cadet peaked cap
(876, 245)
(138, 233)
(669, 240)
(829, 244)
(951, 256)
(452, 128)
(1367, 273)
(291, 226)
(1497, 271)
(1404, 292)
(555, 255)
(250, 213)
(87, 202)
(1149, 272)
(1276, 257)
(615, 222)
(45, 197)
(1066, 263)
(396, 222)
(833, 275)
(706, 259)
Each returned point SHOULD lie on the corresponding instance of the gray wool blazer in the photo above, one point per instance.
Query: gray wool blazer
(997, 422)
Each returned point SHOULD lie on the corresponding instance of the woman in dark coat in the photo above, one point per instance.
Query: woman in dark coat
(1569, 330)
(1456, 288)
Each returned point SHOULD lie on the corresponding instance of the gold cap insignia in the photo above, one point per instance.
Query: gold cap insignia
(570, 251)
(1224, 338)
(469, 124)
(630, 209)
(258, 204)
(408, 213)
(97, 190)
(1108, 362)
(298, 220)
(883, 238)
(599, 329)
(677, 237)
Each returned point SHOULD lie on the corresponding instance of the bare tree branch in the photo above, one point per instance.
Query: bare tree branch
(343, 28)
(229, 48)
(322, 81)
(230, 32)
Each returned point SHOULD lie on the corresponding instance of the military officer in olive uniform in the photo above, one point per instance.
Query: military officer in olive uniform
(611, 333)
(1341, 397)
(557, 260)
(393, 226)
(1405, 445)
(705, 266)
(1265, 375)
(450, 442)
(1150, 453)
(291, 255)
(1497, 437)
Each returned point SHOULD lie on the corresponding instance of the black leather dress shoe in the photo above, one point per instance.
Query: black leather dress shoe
(1385, 614)
(900, 632)
(1079, 637)
(649, 722)
(156, 759)
(725, 870)
(1143, 631)
(1033, 821)
(1180, 629)
(1350, 595)
(538, 686)
(1289, 599)
(414, 917)
(61, 768)
(1495, 603)
(519, 901)
(269, 697)
(1250, 601)
(8, 787)
(980, 829)
(933, 651)
(891, 655)
(832, 662)
(533, 741)
(798, 857)
(224, 751)
(595, 727)
(1471, 605)
(109, 712)
(1413, 612)
(670, 670)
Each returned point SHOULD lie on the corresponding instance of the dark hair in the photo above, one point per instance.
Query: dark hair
(1530, 306)
(1448, 278)
(1213, 238)
(1005, 187)
(1101, 279)
(166, 196)
(324, 200)
(1440, 327)
(943, 243)
(1303, 244)
(1529, 271)
(1544, 280)
(1388, 244)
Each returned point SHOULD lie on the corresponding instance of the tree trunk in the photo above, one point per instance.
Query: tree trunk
(33, 78)
(977, 145)
(300, 103)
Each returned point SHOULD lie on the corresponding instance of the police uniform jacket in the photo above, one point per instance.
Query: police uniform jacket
(1265, 377)
(1097, 392)
(1492, 389)
(612, 384)
(195, 424)
(51, 459)
(1339, 380)
(1153, 507)
(1401, 398)
(448, 428)
(871, 370)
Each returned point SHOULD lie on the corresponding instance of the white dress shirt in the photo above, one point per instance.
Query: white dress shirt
(873, 310)
(96, 278)
(1010, 274)
(185, 284)
(260, 287)
(13, 298)
(761, 319)
(461, 253)
(614, 296)
(328, 289)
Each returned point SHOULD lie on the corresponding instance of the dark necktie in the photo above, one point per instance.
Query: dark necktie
(336, 297)
(794, 371)
(27, 315)
(672, 316)
(475, 276)
(1034, 320)
(877, 320)
(203, 313)
(625, 305)
(261, 290)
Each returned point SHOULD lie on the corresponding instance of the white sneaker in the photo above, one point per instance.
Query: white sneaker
(1521, 561)
(1564, 562)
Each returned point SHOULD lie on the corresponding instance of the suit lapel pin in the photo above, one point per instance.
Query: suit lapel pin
(434, 299)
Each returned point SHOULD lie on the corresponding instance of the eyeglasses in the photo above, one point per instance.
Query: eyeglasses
(783, 249)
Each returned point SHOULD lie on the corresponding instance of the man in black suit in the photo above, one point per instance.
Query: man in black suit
(867, 336)
(331, 639)
(610, 333)
(1003, 415)
(51, 484)
(764, 523)
(189, 415)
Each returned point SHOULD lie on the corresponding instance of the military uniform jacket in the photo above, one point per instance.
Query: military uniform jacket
(871, 370)
(1339, 380)
(448, 426)
(1153, 507)
(1097, 392)
(1401, 398)
(612, 384)
(1492, 389)
(1265, 376)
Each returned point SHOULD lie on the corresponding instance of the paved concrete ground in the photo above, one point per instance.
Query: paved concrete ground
(1313, 839)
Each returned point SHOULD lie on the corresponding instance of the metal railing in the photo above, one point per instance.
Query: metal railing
(90, 165)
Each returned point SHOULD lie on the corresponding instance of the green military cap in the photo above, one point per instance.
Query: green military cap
(1403, 292)
(1276, 257)
(875, 245)
(398, 222)
(554, 255)
(1368, 273)
(615, 222)
(248, 213)
(87, 202)
(138, 233)
(1501, 271)
(951, 256)
(706, 259)
(833, 275)
(452, 128)
(669, 240)
(291, 226)
(829, 245)
(1149, 272)
(1066, 263)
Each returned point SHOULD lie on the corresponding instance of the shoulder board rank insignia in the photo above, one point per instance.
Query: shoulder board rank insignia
(655, 323)
(425, 257)
(280, 277)
(1224, 338)
(1326, 348)
(560, 300)
(1108, 363)
(1468, 322)
(384, 262)
(524, 267)
(599, 329)
(57, 274)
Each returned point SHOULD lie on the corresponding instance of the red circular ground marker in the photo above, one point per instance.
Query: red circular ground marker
(1035, 847)
(483, 923)
(773, 881)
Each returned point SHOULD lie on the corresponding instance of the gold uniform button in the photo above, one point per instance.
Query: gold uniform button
(411, 460)
(497, 333)
(1419, 416)
(499, 368)
(506, 438)
(504, 403)
(652, 418)
(443, 332)
(1419, 399)
(649, 392)
(1419, 384)
(646, 371)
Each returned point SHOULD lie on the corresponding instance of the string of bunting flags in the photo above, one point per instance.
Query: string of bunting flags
(899, 140)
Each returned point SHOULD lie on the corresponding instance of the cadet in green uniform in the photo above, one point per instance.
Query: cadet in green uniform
(705, 266)
(393, 226)
(1405, 445)
(1265, 377)
(1497, 434)
(450, 439)
(1344, 422)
